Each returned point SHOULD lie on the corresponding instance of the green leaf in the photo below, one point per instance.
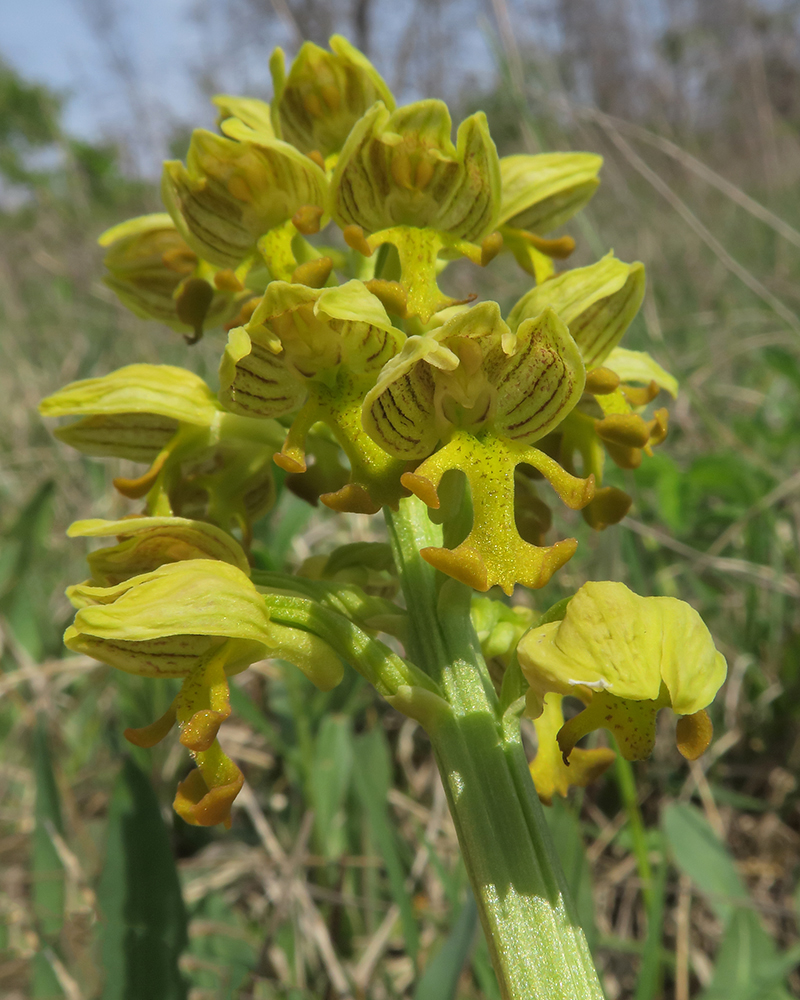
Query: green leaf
(330, 780)
(226, 947)
(144, 927)
(373, 778)
(700, 854)
(441, 977)
(46, 868)
(748, 966)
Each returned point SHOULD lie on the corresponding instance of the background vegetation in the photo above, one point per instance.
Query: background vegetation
(341, 874)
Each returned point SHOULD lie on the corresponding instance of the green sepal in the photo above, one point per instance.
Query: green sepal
(164, 622)
(493, 553)
(401, 169)
(231, 193)
(541, 192)
(145, 543)
(244, 118)
(638, 366)
(597, 303)
(324, 95)
(165, 390)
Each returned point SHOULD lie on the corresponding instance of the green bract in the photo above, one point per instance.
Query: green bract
(231, 193)
(626, 657)
(324, 95)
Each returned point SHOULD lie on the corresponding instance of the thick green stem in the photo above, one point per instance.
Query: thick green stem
(538, 949)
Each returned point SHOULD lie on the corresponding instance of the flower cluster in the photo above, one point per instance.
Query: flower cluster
(315, 230)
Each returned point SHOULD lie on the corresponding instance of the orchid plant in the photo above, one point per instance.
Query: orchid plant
(372, 390)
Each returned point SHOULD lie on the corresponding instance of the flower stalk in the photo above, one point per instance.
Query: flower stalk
(538, 949)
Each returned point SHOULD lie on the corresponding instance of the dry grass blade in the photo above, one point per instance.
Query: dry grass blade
(764, 576)
(315, 925)
(671, 149)
(697, 226)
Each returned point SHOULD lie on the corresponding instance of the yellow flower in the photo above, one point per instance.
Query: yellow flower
(155, 273)
(203, 461)
(626, 657)
(201, 620)
(400, 180)
(488, 394)
(231, 194)
(317, 351)
(324, 95)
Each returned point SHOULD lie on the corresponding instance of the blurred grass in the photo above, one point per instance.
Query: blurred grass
(341, 874)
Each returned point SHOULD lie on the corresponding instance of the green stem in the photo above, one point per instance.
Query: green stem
(538, 950)
(626, 782)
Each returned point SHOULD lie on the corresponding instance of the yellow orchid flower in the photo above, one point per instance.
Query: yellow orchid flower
(400, 180)
(232, 194)
(324, 95)
(626, 657)
(201, 620)
(203, 461)
(488, 394)
(154, 272)
(317, 351)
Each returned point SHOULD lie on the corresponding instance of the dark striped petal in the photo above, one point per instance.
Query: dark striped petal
(598, 304)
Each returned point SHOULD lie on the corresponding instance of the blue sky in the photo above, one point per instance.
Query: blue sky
(54, 42)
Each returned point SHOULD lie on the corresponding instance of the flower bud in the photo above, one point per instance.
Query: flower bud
(324, 95)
